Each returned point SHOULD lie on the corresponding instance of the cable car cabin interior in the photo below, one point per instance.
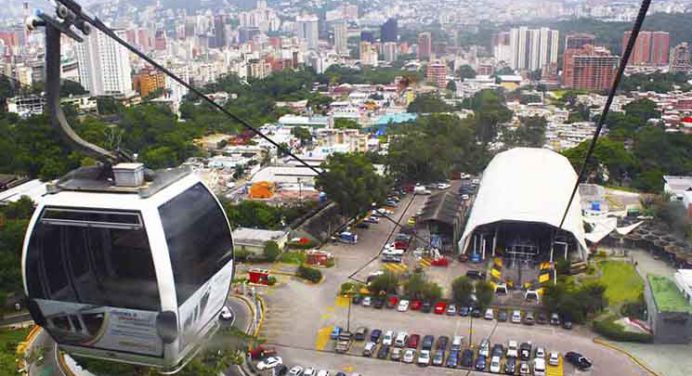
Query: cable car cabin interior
(132, 275)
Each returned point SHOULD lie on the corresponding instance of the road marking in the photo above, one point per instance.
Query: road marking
(395, 268)
(322, 338)
(330, 309)
(348, 368)
(326, 316)
(425, 262)
(557, 370)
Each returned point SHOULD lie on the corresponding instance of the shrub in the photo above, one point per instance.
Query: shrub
(310, 274)
(330, 263)
(609, 329)
(241, 254)
(271, 251)
(349, 288)
(562, 267)
(293, 257)
(271, 281)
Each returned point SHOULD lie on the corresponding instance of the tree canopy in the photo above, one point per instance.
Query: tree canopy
(428, 104)
(466, 71)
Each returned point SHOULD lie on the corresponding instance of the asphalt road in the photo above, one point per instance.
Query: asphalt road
(299, 318)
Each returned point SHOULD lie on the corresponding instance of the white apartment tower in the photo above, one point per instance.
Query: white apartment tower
(104, 65)
(306, 28)
(341, 38)
(531, 49)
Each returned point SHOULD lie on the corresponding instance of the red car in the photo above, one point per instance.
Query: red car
(442, 261)
(440, 308)
(401, 245)
(412, 342)
(393, 301)
(415, 305)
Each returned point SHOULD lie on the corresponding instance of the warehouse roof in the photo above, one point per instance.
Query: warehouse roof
(527, 185)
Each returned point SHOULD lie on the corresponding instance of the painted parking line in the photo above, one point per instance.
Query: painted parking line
(322, 338)
(557, 370)
(425, 262)
(396, 268)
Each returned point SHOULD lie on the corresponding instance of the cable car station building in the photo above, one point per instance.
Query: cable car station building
(518, 209)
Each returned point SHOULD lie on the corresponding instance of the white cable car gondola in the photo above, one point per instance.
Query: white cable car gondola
(119, 267)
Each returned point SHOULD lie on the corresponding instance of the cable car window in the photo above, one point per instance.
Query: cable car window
(92, 257)
(198, 237)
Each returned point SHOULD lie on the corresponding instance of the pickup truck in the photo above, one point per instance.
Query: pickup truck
(343, 342)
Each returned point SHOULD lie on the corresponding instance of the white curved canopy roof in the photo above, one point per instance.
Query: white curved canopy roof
(527, 185)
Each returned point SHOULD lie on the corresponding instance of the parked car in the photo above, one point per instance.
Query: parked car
(413, 341)
(416, 305)
(554, 319)
(511, 366)
(360, 333)
(427, 343)
(323, 372)
(480, 363)
(512, 349)
(498, 350)
(409, 356)
(442, 343)
(502, 315)
(424, 358)
(379, 303)
(335, 332)
(388, 338)
(516, 316)
(438, 358)
(524, 369)
(383, 352)
(529, 319)
(367, 301)
(426, 307)
(451, 309)
(357, 299)
(363, 225)
(375, 335)
(269, 363)
(538, 367)
(401, 339)
(578, 360)
(457, 342)
(403, 305)
(525, 351)
(542, 318)
(467, 358)
(369, 349)
(476, 274)
(540, 353)
(296, 371)
(554, 358)
(392, 301)
(310, 372)
(567, 324)
(489, 314)
(484, 347)
(396, 354)
(440, 308)
(476, 312)
(452, 359)
(464, 311)
(495, 364)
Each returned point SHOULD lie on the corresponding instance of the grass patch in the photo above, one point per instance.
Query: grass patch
(623, 283)
(293, 257)
(9, 339)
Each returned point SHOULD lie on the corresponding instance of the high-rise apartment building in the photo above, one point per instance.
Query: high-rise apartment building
(680, 58)
(104, 65)
(501, 48)
(341, 38)
(436, 73)
(389, 31)
(529, 49)
(651, 47)
(307, 29)
(424, 45)
(148, 80)
(579, 40)
(590, 67)
(219, 38)
(390, 50)
(368, 54)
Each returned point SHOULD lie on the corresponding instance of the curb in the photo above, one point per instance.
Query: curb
(639, 362)
(23, 346)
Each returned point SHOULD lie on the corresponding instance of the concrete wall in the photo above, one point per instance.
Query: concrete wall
(668, 327)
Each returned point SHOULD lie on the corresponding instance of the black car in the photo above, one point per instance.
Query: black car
(427, 343)
(476, 312)
(467, 358)
(498, 350)
(442, 343)
(375, 335)
(502, 315)
(578, 360)
(357, 299)
(476, 274)
(464, 310)
(379, 303)
(542, 318)
(281, 370)
(363, 225)
(383, 352)
(480, 363)
(426, 307)
(525, 351)
(511, 365)
(567, 324)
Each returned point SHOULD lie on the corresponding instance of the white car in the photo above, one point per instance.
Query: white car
(484, 347)
(323, 373)
(554, 359)
(540, 353)
(269, 363)
(495, 364)
(516, 316)
(489, 314)
(388, 338)
(226, 314)
(367, 301)
(539, 367)
(309, 372)
(443, 185)
(403, 305)
(524, 369)
(401, 339)
(512, 349)
(296, 371)
(409, 356)
(424, 358)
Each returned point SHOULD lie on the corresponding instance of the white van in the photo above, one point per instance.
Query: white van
(539, 367)
(457, 341)
(401, 339)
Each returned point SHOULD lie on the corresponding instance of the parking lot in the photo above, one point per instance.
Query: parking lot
(300, 316)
